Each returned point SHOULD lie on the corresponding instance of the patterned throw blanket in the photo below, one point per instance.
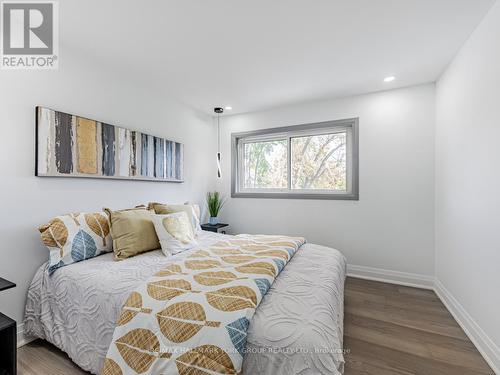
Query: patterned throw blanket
(192, 317)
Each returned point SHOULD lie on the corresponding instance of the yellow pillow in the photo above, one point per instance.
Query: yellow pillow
(192, 211)
(132, 231)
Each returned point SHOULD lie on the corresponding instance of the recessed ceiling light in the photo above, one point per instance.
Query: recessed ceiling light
(228, 108)
(389, 79)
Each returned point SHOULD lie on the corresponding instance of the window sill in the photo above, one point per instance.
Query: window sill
(347, 197)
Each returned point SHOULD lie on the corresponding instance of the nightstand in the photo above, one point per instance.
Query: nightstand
(8, 338)
(217, 228)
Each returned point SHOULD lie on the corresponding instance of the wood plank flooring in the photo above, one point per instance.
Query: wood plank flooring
(396, 330)
(389, 330)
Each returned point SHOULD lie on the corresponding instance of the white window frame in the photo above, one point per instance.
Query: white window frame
(238, 140)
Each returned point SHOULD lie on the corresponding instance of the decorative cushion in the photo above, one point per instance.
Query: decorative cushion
(175, 232)
(197, 211)
(74, 237)
(132, 231)
(192, 210)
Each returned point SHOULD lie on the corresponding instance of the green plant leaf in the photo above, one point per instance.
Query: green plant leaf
(214, 203)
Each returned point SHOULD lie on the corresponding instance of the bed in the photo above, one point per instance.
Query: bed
(297, 329)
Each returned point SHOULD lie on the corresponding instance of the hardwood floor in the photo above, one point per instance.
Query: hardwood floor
(389, 330)
(41, 358)
(396, 330)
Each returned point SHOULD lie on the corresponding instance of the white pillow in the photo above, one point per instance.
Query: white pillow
(192, 210)
(175, 232)
(197, 214)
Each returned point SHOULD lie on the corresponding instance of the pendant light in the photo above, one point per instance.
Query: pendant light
(218, 110)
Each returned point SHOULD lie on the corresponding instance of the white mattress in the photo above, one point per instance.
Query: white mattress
(297, 328)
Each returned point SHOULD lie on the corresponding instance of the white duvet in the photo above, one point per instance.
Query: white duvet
(297, 328)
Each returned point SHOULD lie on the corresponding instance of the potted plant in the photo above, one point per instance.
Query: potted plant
(214, 203)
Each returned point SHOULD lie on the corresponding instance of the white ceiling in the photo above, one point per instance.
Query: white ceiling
(255, 54)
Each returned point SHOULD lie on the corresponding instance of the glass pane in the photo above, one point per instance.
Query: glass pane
(319, 162)
(265, 165)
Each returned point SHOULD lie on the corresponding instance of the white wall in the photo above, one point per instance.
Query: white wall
(392, 224)
(85, 88)
(468, 179)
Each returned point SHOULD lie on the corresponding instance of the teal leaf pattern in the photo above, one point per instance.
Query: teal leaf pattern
(238, 333)
(84, 246)
(280, 264)
(263, 285)
(55, 267)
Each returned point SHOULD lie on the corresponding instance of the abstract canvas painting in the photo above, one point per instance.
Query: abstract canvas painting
(74, 146)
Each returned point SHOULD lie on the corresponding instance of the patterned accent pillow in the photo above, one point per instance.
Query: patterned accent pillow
(75, 237)
(174, 232)
(192, 210)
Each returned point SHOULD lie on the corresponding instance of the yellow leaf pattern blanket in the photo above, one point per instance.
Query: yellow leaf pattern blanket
(192, 317)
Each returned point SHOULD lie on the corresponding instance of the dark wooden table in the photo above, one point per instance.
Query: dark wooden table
(217, 228)
(8, 338)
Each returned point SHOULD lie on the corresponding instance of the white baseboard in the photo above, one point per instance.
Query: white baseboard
(393, 277)
(21, 338)
(488, 349)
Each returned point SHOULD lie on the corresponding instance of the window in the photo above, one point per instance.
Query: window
(318, 161)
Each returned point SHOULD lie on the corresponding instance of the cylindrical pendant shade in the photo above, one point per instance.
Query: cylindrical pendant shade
(219, 172)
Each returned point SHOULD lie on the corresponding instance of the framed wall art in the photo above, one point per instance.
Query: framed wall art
(74, 146)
